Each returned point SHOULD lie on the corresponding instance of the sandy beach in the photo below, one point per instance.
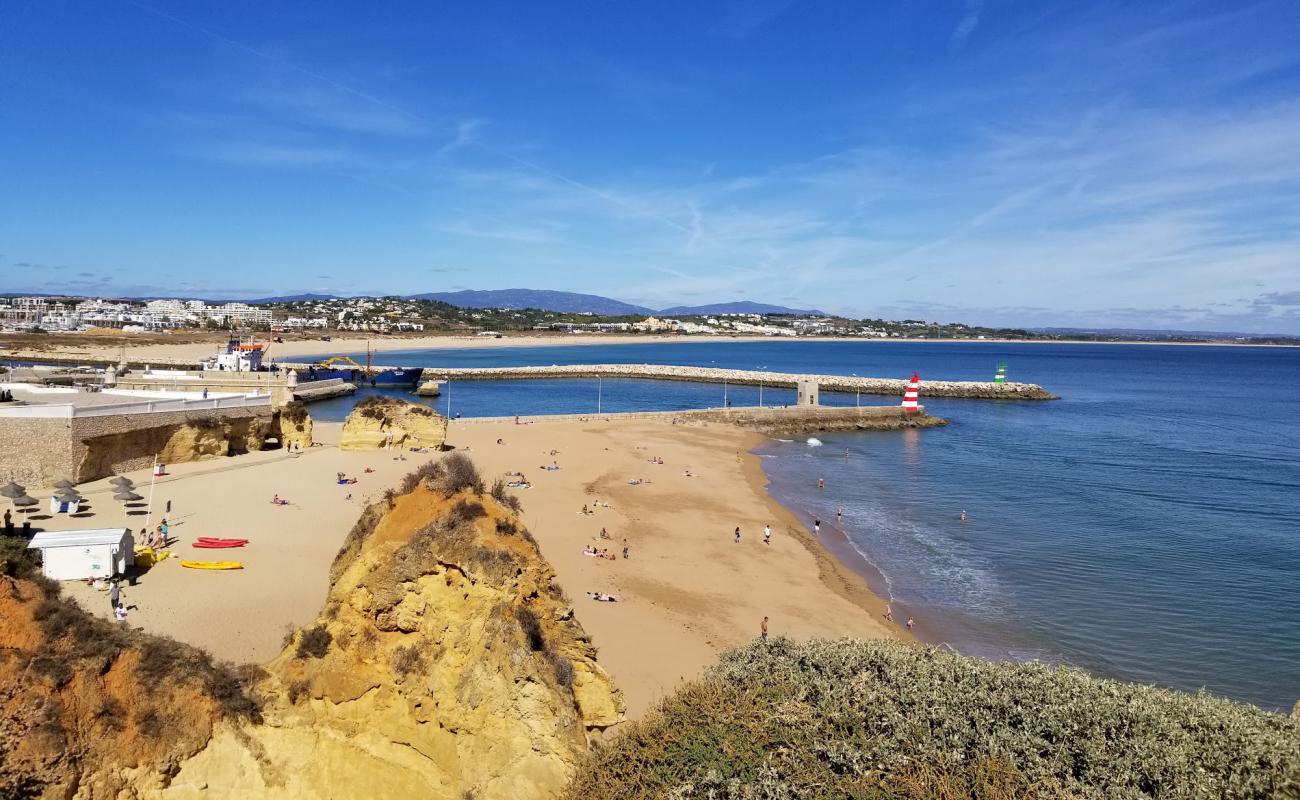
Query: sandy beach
(189, 348)
(686, 591)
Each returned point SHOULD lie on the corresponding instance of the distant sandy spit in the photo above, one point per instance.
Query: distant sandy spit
(686, 591)
(194, 348)
(150, 348)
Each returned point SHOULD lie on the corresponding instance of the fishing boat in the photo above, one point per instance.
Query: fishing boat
(349, 370)
(238, 357)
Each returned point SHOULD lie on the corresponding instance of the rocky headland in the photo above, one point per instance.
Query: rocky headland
(446, 663)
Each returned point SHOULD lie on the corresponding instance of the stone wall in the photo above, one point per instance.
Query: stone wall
(982, 390)
(37, 451)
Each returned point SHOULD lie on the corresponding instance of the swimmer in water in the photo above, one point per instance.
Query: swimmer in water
(963, 515)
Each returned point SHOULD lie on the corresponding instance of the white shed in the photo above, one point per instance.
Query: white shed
(77, 555)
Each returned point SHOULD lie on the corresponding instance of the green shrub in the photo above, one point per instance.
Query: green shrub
(465, 511)
(314, 642)
(501, 494)
(532, 628)
(884, 719)
(428, 472)
(460, 474)
(16, 560)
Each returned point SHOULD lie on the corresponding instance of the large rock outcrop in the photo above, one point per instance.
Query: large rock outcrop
(293, 426)
(445, 664)
(377, 422)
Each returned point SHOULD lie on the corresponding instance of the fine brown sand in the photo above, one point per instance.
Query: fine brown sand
(686, 592)
(156, 347)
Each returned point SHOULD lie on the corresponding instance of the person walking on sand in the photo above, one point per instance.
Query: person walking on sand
(767, 534)
(763, 627)
(737, 534)
(625, 549)
(114, 594)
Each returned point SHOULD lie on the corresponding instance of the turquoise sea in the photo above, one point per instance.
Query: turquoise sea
(1145, 527)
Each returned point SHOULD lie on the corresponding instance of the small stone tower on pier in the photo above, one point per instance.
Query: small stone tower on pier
(808, 389)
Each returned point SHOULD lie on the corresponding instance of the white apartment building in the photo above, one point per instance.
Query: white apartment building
(26, 311)
(241, 313)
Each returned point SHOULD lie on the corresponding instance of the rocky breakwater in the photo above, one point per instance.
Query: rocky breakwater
(803, 420)
(378, 421)
(980, 390)
(445, 664)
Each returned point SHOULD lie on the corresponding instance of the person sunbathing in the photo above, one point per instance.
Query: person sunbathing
(601, 597)
(589, 551)
(278, 502)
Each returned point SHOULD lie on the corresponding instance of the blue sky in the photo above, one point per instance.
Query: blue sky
(1029, 163)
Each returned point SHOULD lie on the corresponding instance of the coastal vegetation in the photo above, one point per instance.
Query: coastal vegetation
(84, 697)
(886, 720)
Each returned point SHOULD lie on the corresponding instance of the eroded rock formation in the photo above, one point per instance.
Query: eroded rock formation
(445, 664)
(293, 426)
(377, 422)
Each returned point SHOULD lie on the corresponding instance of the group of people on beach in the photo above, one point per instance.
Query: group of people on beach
(159, 538)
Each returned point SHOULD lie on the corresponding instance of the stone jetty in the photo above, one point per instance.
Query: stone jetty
(979, 390)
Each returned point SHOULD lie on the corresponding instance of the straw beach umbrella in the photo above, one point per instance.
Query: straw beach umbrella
(126, 496)
(25, 501)
(13, 491)
(64, 484)
(121, 480)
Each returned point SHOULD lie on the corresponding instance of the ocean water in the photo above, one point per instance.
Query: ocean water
(1144, 527)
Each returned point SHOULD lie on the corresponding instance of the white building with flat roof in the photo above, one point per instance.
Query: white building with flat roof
(77, 555)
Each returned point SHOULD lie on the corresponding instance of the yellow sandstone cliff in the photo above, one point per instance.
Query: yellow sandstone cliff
(375, 421)
(445, 664)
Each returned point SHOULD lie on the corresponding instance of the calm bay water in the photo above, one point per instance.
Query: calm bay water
(1144, 527)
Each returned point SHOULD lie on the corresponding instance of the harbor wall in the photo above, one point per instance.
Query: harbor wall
(981, 390)
(770, 421)
(36, 451)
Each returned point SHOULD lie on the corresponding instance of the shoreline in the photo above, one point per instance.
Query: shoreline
(157, 349)
(835, 571)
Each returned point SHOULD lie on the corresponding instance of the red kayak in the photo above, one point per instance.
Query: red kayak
(220, 540)
(218, 545)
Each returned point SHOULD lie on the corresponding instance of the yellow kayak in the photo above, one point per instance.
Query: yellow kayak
(213, 564)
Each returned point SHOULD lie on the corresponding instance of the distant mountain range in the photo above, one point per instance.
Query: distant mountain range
(563, 302)
(738, 307)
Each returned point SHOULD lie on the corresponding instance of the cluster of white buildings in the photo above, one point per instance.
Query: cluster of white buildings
(27, 313)
(197, 312)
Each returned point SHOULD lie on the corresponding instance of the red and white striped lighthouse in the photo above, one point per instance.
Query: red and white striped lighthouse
(910, 405)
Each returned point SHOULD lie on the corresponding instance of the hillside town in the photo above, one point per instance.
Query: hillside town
(393, 315)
